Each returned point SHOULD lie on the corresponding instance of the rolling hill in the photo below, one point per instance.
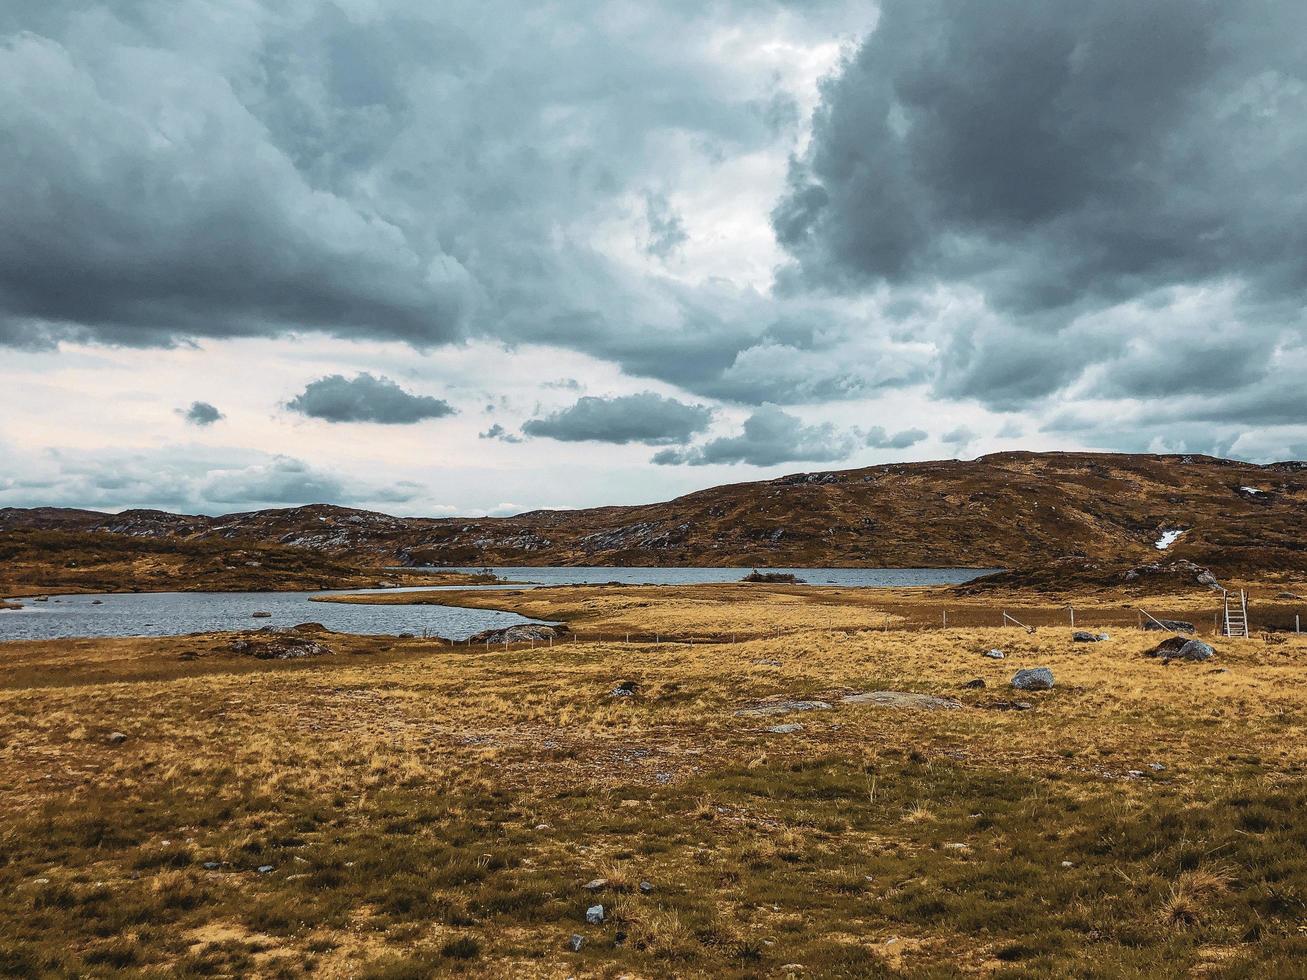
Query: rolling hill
(1005, 510)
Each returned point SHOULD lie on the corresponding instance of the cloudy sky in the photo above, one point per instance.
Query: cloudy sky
(481, 257)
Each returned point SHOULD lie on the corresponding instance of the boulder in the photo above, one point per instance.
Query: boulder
(1033, 679)
(1182, 648)
(1084, 636)
(575, 943)
(902, 699)
(1195, 651)
(1168, 626)
(595, 915)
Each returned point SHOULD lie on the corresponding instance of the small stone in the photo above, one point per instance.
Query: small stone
(995, 654)
(975, 683)
(1067, 864)
(1033, 679)
(595, 915)
(646, 887)
(261, 615)
(575, 943)
(1134, 773)
(961, 848)
(1156, 766)
(1010, 705)
(789, 729)
(626, 689)
(116, 738)
(596, 884)
(266, 868)
(211, 865)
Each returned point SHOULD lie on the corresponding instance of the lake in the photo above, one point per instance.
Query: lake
(178, 613)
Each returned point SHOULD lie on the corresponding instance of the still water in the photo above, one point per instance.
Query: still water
(178, 613)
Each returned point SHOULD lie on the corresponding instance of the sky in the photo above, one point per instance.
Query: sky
(483, 257)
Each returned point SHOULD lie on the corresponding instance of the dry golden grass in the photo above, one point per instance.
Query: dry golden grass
(429, 809)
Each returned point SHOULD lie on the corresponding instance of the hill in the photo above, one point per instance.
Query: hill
(1009, 509)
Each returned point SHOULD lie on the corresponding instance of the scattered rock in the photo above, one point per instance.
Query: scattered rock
(646, 887)
(1156, 767)
(960, 848)
(995, 654)
(211, 865)
(1168, 626)
(97, 602)
(595, 915)
(1084, 636)
(1033, 679)
(575, 943)
(1168, 647)
(521, 633)
(266, 869)
(1010, 705)
(975, 682)
(596, 884)
(261, 615)
(626, 689)
(116, 738)
(788, 729)
(902, 699)
(277, 646)
(784, 707)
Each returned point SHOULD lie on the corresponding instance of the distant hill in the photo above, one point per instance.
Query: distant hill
(1008, 509)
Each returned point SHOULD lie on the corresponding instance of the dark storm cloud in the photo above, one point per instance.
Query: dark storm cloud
(184, 170)
(144, 202)
(366, 398)
(878, 438)
(200, 413)
(769, 436)
(1060, 158)
(647, 418)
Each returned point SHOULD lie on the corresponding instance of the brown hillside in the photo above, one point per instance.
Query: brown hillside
(1008, 509)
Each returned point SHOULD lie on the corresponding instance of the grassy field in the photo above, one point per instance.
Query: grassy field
(420, 808)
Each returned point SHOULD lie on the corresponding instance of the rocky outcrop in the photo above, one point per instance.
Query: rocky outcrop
(521, 633)
(278, 646)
